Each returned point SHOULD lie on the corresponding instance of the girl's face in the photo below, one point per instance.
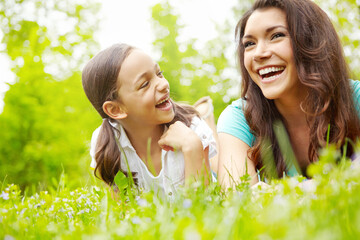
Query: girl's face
(268, 55)
(143, 91)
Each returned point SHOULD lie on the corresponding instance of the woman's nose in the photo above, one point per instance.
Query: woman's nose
(261, 52)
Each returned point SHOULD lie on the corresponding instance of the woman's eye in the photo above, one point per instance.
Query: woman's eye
(248, 44)
(160, 74)
(277, 35)
(145, 84)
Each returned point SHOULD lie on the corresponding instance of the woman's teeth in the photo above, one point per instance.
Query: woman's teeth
(264, 71)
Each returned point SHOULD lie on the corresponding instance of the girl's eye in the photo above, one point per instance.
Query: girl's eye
(277, 35)
(145, 84)
(160, 74)
(248, 44)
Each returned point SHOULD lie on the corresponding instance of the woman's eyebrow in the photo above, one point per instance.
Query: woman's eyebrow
(267, 30)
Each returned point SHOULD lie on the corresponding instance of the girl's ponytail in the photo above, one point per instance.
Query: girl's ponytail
(107, 154)
(99, 80)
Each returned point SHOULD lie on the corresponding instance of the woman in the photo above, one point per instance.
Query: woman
(294, 73)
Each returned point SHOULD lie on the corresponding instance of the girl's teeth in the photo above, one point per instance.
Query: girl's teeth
(162, 101)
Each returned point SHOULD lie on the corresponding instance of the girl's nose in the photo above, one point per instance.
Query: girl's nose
(163, 84)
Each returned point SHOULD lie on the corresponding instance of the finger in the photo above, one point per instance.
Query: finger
(167, 148)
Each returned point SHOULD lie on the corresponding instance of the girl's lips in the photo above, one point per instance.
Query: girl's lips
(165, 98)
(164, 106)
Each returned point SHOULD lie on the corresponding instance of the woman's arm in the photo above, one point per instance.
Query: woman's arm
(232, 161)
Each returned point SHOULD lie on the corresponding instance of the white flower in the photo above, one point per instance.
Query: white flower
(70, 215)
(142, 202)
(8, 237)
(136, 220)
(4, 195)
(187, 203)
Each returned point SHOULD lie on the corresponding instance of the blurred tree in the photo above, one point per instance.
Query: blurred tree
(172, 61)
(46, 117)
(212, 70)
(192, 73)
(345, 15)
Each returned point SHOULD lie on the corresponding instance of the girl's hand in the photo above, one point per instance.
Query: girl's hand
(179, 137)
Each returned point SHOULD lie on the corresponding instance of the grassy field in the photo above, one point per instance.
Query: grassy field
(327, 207)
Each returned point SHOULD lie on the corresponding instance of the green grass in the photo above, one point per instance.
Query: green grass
(327, 209)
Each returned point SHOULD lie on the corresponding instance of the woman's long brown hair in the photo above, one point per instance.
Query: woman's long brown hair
(99, 79)
(321, 67)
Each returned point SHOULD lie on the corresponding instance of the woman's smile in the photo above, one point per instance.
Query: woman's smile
(270, 74)
(268, 54)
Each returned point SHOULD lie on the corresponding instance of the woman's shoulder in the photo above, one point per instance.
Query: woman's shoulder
(232, 121)
(238, 104)
(356, 86)
(232, 112)
(356, 94)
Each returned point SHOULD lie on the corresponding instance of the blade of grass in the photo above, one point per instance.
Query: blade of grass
(285, 146)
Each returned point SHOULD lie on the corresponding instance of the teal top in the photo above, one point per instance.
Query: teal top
(232, 121)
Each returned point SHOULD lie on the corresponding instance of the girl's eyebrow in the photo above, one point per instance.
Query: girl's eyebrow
(156, 66)
(267, 30)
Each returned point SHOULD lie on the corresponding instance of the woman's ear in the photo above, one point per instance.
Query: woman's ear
(114, 110)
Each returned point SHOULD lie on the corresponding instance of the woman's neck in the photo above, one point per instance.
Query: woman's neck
(297, 127)
(291, 112)
(290, 108)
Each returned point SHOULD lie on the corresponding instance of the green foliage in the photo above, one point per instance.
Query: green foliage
(194, 72)
(326, 207)
(191, 72)
(345, 15)
(46, 119)
(47, 122)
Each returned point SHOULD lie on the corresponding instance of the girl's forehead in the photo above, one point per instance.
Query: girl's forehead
(135, 64)
(137, 60)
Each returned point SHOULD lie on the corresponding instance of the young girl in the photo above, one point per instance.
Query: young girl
(132, 96)
(293, 72)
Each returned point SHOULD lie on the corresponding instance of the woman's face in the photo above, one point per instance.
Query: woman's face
(144, 92)
(268, 54)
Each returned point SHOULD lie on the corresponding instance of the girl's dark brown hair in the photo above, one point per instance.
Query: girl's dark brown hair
(99, 79)
(321, 68)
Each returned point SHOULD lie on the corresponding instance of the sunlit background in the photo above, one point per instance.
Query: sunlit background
(46, 121)
(47, 189)
(130, 22)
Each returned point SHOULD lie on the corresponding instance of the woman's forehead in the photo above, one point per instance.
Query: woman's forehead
(265, 18)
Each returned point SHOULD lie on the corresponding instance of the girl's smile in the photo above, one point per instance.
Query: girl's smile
(164, 104)
(144, 91)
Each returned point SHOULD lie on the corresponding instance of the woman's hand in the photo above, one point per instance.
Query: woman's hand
(179, 137)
